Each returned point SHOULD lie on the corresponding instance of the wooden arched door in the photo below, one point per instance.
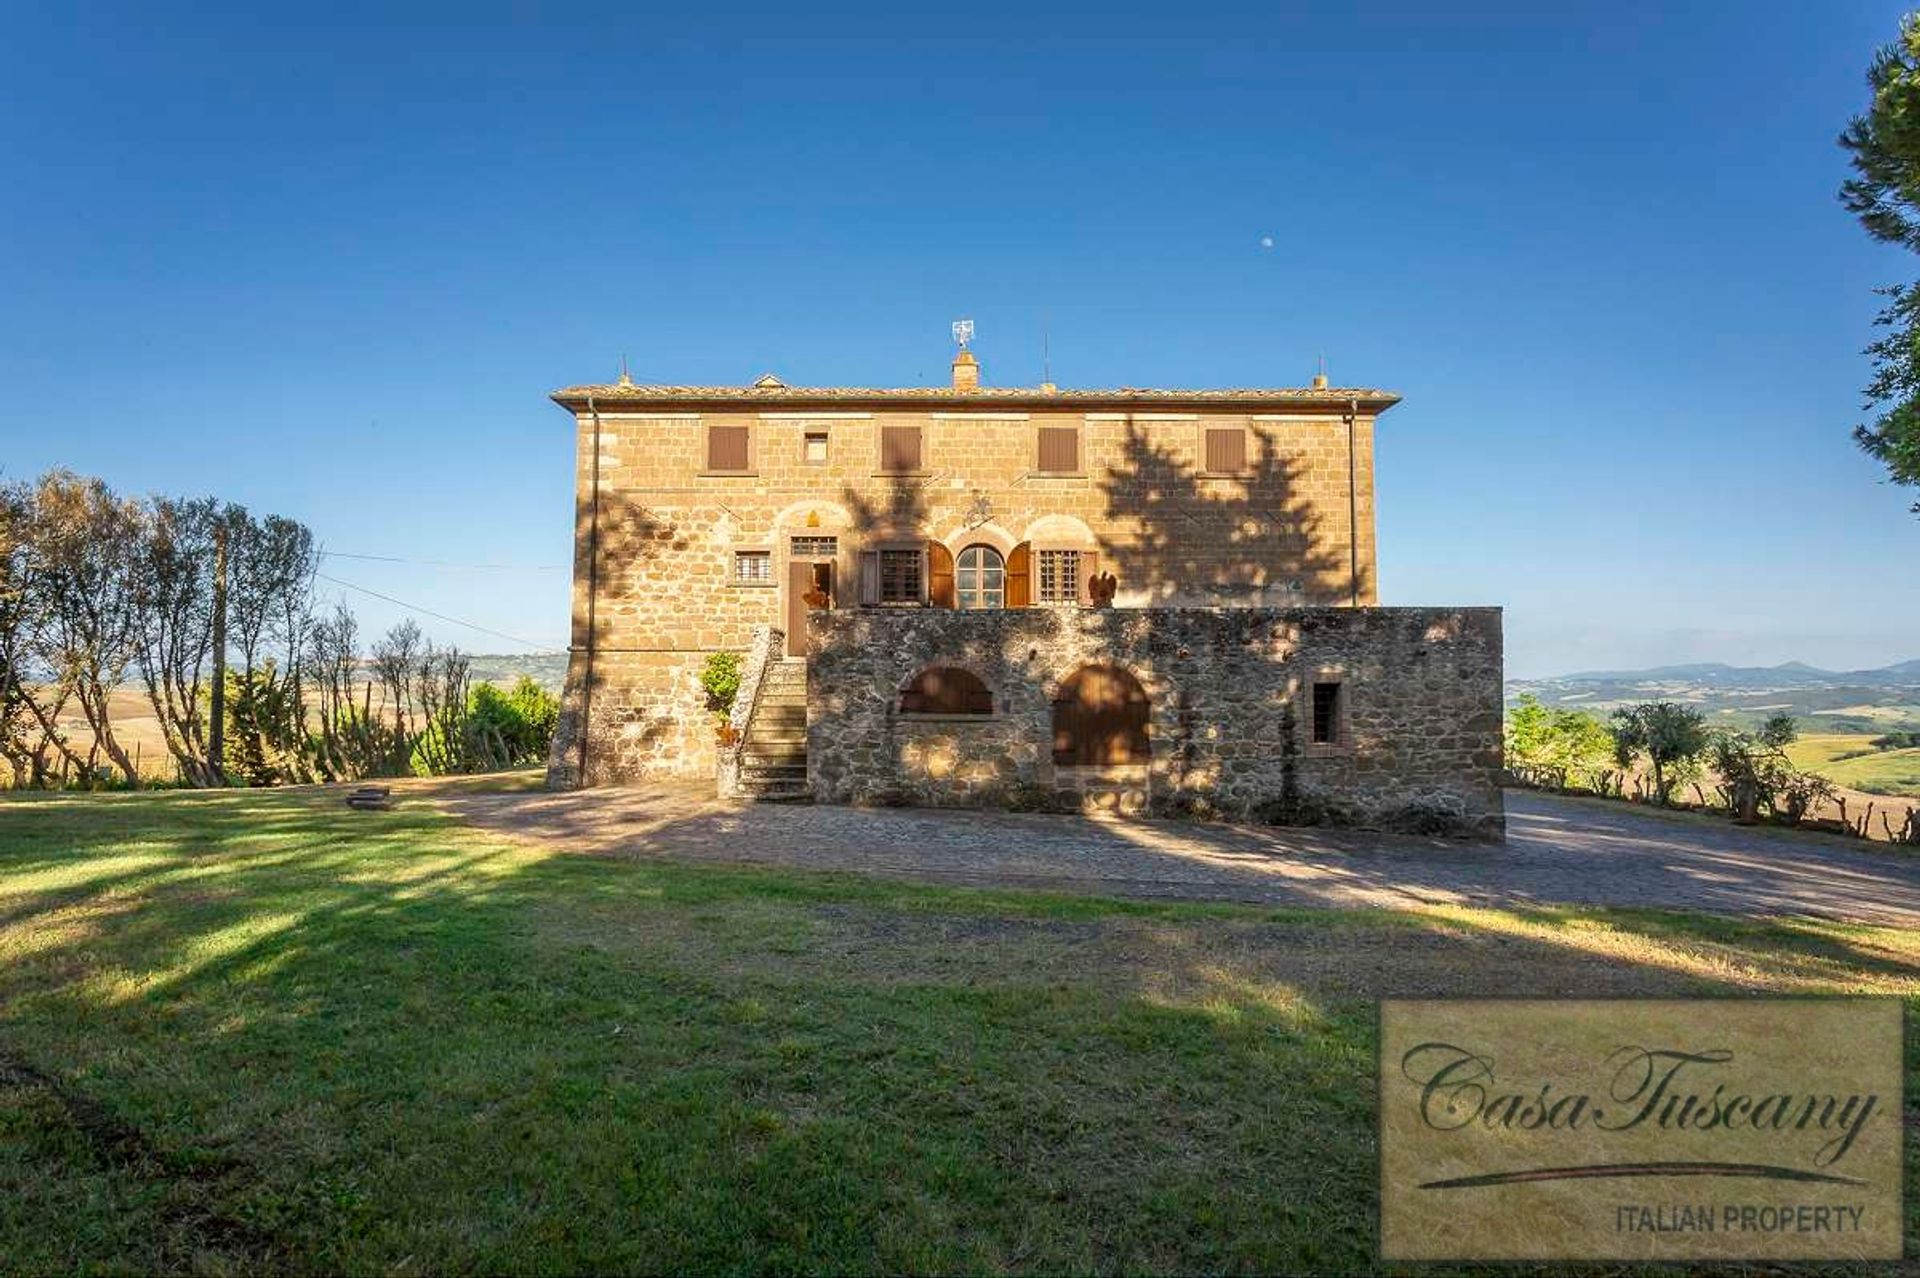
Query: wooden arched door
(1100, 718)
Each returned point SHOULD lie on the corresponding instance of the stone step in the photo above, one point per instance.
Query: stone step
(777, 796)
(794, 738)
(796, 784)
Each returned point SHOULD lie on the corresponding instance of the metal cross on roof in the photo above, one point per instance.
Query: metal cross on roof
(963, 332)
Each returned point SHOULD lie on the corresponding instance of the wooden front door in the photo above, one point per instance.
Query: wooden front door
(1100, 718)
(809, 587)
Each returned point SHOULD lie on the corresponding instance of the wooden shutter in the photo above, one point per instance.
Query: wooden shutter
(727, 448)
(939, 575)
(900, 448)
(869, 578)
(1060, 450)
(1089, 569)
(1020, 576)
(1226, 450)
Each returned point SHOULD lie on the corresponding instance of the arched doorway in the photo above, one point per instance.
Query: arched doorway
(1100, 718)
(980, 578)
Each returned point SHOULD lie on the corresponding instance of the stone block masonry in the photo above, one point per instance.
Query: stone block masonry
(1406, 732)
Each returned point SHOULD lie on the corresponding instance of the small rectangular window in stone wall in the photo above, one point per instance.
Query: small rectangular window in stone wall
(815, 547)
(900, 448)
(1226, 450)
(728, 449)
(814, 449)
(1059, 450)
(1059, 576)
(754, 567)
(1326, 713)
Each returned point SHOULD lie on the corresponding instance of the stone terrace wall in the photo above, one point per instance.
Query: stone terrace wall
(1420, 743)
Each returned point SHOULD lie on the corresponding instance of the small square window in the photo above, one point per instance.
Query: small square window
(1059, 576)
(753, 567)
(814, 448)
(1326, 714)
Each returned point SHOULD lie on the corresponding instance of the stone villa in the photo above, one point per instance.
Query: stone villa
(1026, 596)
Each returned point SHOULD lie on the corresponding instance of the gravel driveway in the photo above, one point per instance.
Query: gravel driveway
(1558, 850)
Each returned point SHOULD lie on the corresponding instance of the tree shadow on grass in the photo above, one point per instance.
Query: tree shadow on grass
(418, 1040)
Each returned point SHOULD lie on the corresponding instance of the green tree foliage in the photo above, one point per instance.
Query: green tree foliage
(1566, 746)
(721, 679)
(1885, 195)
(1671, 737)
(1756, 775)
(516, 725)
(265, 738)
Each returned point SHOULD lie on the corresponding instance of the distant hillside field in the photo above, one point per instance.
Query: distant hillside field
(1849, 759)
(1824, 701)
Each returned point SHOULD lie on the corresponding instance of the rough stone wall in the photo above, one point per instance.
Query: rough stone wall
(649, 717)
(1418, 744)
(667, 532)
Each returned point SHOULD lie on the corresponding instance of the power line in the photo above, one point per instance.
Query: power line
(441, 616)
(444, 563)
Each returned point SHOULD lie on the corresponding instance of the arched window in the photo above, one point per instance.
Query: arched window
(1100, 717)
(981, 576)
(946, 690)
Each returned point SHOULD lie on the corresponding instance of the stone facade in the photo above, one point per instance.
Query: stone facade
(661, 534)
(1416, 744)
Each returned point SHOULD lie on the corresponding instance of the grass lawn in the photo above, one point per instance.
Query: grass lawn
(1849, 759)
(247, 1030)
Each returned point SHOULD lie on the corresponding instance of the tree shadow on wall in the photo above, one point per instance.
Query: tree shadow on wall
(629, 537)
(901, 510)
(1238, 541)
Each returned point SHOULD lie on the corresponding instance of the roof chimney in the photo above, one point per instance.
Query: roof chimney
(1319, 381)
(966, 371)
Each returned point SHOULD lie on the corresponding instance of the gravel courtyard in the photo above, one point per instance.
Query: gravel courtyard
(1559, 850)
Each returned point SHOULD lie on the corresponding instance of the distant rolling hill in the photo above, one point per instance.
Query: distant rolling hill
(1833, 701)
(549, 670)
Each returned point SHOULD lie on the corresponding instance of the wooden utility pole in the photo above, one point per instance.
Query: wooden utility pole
(217, 730)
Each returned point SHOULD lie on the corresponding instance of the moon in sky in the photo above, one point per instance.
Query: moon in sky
(1266, 241)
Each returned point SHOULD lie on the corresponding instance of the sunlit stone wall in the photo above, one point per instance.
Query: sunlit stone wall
(1417, 746)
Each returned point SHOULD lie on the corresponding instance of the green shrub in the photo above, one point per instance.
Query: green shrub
(721, 679)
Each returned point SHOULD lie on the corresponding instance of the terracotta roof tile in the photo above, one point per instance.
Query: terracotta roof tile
(576, 397)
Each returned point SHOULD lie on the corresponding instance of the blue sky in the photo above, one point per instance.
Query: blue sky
(330, 264)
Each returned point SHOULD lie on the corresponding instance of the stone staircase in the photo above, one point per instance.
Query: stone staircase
(773, 758)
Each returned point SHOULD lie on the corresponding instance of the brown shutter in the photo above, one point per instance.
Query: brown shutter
(727, 448)
(1226, 450)
(900, 448)
(869, 578)
(1089, 569)
(939, 575)
(1020, 576)
(1059, 450)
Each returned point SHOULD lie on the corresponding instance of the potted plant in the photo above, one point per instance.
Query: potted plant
(720, 678)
